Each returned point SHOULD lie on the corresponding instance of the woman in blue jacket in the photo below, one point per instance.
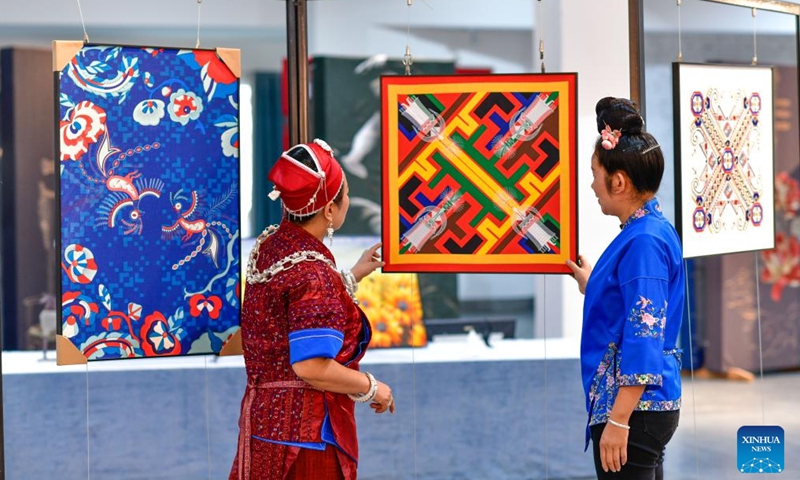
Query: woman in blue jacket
(632, 313)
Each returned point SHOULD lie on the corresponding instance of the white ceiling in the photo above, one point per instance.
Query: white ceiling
(698, 16)
(257, 26)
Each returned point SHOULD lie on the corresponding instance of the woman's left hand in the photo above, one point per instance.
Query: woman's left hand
(369, 261)
(383, 399)
(613, 448)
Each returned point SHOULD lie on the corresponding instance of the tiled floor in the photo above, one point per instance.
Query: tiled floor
(486, 418)
(704, 446)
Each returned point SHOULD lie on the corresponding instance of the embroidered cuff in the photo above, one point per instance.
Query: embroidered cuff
(658, 405)
(314, 343)
(638, 379)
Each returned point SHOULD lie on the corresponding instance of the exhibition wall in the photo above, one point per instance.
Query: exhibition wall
(476, 401)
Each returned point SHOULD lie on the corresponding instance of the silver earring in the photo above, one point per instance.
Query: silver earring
(330, 233)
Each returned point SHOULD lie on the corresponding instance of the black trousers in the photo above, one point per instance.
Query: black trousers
(649, 434)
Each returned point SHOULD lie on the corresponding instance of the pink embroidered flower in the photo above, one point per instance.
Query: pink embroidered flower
(212, 304)
(610, 137)
(649, 320)
(87, 122)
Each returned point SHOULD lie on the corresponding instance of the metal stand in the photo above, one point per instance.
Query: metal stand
(297, 56)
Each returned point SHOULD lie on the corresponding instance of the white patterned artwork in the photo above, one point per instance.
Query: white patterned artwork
(724, 158)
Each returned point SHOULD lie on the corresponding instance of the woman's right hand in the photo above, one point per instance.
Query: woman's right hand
(370, 261)
(580, 271)
(383, 399)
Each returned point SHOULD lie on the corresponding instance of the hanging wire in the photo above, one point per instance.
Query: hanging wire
(540, 29)
(83, 23)
(541, 34)
(408, 59)
(691, 370)
(199, 7)
(414, 393)
(760, 348)
(680, 47)
(546, 423)
(755, 44)
(88, 451)
(208, 412)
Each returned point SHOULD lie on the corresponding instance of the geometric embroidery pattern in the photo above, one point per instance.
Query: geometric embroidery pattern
(725, 131)
(479, 173)
(724, 148)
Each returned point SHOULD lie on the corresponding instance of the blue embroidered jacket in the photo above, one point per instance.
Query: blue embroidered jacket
(632, 313)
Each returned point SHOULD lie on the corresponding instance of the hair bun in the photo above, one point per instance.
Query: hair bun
(620, 114)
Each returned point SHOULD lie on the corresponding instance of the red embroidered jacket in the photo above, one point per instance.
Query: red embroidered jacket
(303, 312)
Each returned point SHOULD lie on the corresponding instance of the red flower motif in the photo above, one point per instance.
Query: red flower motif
(184, 106)
(199, 302)
(158, 338)
(217, 70)
(787, 195)
(87, 122)
(782, 265)
(112, 323)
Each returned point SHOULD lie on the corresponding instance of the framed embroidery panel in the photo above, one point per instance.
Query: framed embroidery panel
(479, 173)
(147, 154)
(724, 153)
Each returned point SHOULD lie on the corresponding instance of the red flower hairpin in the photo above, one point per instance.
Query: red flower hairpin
(610, 137)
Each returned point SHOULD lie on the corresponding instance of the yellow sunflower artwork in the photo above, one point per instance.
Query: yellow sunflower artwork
(394, 308)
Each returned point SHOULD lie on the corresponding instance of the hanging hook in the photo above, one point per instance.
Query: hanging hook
(680, 47)
(755, 44)
(408, 59)
(541, 36)
(541, 53)
(199, 6)
(83, 23)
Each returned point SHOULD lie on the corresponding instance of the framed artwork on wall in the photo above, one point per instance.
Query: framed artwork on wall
(724, 151)
(147, 159)
(479, 173)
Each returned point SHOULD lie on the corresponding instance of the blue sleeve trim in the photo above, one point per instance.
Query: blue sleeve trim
(314, 343)
(634, 379)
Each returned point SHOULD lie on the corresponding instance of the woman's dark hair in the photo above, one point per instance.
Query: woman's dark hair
(637, 153)
(303, 156)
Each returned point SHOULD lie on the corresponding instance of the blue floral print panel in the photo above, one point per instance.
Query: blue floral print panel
(149, 199)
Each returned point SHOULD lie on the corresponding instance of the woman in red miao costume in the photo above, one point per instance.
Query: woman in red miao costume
(303, 333)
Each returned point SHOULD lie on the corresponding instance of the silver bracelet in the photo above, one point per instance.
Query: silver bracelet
(370, 395)
(353, 280)
(350, 282)
(620, 425)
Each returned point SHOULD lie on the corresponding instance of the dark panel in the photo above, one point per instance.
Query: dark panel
(27, 190)
(268, 126)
